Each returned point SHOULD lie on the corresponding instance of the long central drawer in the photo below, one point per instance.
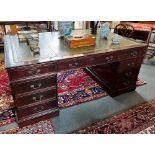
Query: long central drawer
(87, 61)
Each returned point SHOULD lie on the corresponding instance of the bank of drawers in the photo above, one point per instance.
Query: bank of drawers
(128, 71)
(34, 90)
(102, 58)
(87, 61)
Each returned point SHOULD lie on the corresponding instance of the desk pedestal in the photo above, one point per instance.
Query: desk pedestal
(118, 77)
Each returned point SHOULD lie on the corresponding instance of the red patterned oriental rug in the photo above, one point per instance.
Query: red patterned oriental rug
(43, 127)
(139, 119)
(4, 81)
(76, 86)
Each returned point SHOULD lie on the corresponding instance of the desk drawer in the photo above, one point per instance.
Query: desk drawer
(34, 84)
(128, 74)
(31, 70)
(21, 112)
(102, 58)
(71, 64)
(87, 61)
(35, 97)
(122, 84)
(132, 53)
(127, 65)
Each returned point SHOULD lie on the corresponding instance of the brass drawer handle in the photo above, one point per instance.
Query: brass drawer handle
(34, 71)
(128, 74)
(73, 64)
(36, 86)
(126, 83)
(109, 58)
(134, 53)
(39, 109)
(38, 98)
(131, 64)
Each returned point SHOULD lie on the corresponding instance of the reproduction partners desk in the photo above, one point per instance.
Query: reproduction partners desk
(34, 80)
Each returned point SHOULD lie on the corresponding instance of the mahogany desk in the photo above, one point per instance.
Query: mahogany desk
(34, 80)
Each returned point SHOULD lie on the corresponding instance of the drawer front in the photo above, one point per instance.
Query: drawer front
(71, 64)
(127, 65)
(132, 53)
(36, 97)
(122, 84)
(37, 108)
(31, 70)
(35, 84)
(87, 61)
(128, 74)
(102, 58)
